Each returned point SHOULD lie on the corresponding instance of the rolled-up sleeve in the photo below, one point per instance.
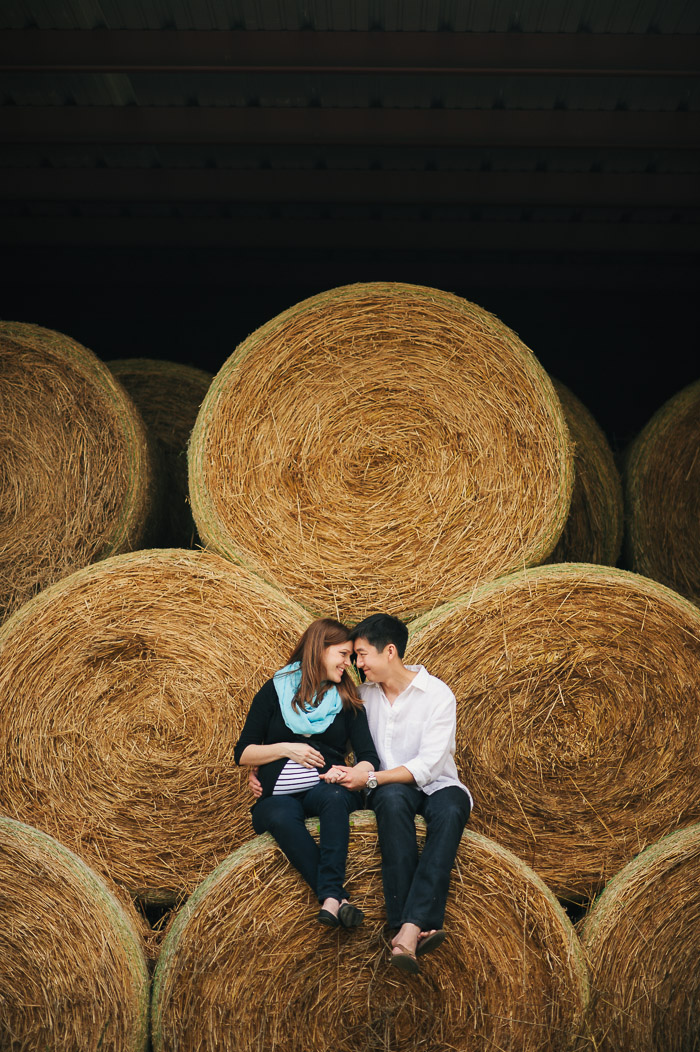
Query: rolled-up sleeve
(436, 743)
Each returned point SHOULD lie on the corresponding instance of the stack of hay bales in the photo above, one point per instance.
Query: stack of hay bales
(75, 474)
(72, 967)
(593, 531)
(381, 446)
(642, 939)
(122, 693)
(662, 491)
(578, 714)
(244, 957)
(168, 396)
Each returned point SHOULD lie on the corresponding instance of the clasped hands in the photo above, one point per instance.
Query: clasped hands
(307, 756)
(352, 778)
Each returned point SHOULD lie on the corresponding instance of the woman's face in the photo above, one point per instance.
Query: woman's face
(336, 659)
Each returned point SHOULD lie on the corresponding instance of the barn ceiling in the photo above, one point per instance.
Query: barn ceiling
(555, 127)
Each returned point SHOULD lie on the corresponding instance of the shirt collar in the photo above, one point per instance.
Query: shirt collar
(420, 681)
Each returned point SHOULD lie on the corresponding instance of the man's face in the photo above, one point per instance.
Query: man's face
(373, 662)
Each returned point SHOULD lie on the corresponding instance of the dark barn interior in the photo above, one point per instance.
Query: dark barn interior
(174, 174)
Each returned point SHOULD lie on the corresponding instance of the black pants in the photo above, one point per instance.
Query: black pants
(416, 886)
(321, 865)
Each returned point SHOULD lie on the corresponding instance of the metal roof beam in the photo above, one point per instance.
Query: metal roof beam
(313, 126)
(365, 235)
(631, 190)
(188, 270)
(196, 51)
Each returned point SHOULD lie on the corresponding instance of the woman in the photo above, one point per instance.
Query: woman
(297, 728)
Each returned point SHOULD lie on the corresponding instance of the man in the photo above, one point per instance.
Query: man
(412, 717)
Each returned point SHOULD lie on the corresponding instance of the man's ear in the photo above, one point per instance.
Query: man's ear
(391, 651)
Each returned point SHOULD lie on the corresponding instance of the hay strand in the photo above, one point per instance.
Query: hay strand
(578, 714)
(593, 531)
(381, 446)
(662, 493)
(168, 396)
(75, 473)
(511, 975)
(122, 692)
(642, 938)
(72, 968)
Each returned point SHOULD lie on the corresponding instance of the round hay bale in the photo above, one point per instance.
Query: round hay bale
(381, 446)
(122, 693)
(75, 473)
(168, 396)
(245, 956)
(593, 531)
(72, 969)
(642, 938)
(578, 714)
(662, 493)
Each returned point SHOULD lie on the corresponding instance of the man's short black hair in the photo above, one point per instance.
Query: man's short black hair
(381, 629)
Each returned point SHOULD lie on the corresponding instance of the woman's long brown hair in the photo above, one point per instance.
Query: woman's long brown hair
(309, 652)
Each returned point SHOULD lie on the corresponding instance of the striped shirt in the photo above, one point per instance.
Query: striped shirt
(293, 778)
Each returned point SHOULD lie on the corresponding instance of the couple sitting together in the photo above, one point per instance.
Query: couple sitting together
(401, 726)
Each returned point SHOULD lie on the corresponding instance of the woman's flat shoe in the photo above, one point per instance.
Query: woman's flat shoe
(350, 916)
(327, 918)
(405, 960)
(431, 942)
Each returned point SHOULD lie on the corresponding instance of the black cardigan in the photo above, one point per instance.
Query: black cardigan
(264, 725)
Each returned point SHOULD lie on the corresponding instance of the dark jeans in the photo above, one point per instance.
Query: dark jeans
(321, 865)
(415, 887)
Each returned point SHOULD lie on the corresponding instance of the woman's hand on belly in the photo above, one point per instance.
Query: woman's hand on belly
(305, 755)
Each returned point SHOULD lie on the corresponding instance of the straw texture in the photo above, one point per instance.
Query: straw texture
(72, 968)
(593, 531)
(578, 714)
(662, 491)
(168, 396)
(381, 446)
(642, 940)
(245, 957)
(75, 473)
(122, 693)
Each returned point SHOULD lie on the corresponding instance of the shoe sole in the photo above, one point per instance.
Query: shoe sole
(404, 963)
(430, 943)
(327, 919)
(350, 916)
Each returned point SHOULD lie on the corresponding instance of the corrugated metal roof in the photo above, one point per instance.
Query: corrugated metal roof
(391, 92)
(377, 120)
(479, 16)
(337, 159)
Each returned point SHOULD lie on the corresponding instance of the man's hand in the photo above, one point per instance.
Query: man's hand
(254, 783)
(352, 778)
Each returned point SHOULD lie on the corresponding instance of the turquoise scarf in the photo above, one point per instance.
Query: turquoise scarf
(304, 721)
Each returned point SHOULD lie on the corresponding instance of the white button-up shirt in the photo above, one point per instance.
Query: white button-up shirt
(417, 731)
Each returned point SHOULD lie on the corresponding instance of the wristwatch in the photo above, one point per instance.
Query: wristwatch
(371, 782)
